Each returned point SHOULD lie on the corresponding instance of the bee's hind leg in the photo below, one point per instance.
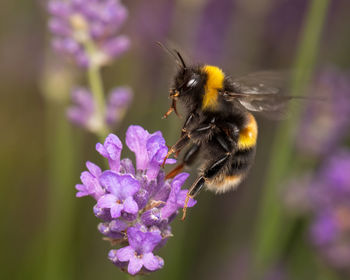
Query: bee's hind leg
(187, 160)
(198, 185)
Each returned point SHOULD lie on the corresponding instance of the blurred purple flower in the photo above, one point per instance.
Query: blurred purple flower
(328, 195)
(135, 206)
(213, 28)
(284, 26)
(325, 123)
(284, 21)
(86, 30)
(323, 229)
(82, 113)
(118, 101)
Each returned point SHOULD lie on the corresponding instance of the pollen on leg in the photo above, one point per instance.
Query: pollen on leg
(184, 210)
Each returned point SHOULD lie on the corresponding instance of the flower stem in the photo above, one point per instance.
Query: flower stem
(272, 227)
(96, 86)
(62, 152)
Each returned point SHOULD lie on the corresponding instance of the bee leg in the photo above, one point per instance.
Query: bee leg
(226, 145)
(197, 133)
(182, 142)
(192, 192)
(197, 186)
(186, 136)
(187, 123)
(203, 132)
(188, 159)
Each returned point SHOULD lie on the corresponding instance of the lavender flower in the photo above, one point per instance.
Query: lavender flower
(136, 206)
(212, 33)
(82, 113)
(328, 195)
(325, 123)
(86, 30)
(139, 252)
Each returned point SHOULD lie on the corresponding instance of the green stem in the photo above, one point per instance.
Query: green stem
(96, 86)
(61, 201)
(272, 227)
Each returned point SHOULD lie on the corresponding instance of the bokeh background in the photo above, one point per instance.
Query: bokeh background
(273, 227)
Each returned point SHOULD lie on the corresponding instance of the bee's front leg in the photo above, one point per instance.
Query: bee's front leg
(187, 160)
(196, 135)
(182, 142)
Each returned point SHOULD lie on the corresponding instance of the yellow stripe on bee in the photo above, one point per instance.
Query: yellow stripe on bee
(215, 81)
(225, 183)
(248, 135)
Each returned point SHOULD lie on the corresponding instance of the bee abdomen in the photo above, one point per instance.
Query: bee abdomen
(234, 172)
(248, 134)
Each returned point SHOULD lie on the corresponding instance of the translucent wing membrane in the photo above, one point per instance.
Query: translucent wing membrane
(263, 92)
(268, 82)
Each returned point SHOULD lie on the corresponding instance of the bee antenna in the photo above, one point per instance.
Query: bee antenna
(180, 62)
(181, 59)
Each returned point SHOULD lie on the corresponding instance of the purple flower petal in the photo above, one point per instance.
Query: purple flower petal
(125, 254)
(112, 255)
(113, 146)
(82, 111)
(116, 210)
(151, 217)
(181, 198)
(116, 46)
(118, 101)
(58, 8)
(141, 198)
(175, 199)
(324, 229)
(102, 213)
(120, 97)
(155, 163)
(178, 181)
(92, 184)
(59, 27)
(143, 242)
(105, 229)
(118, 225)
(151, 262)
(121, 185)
(130, 206)
(126, 166)
(82, 190)
(111, 149)
(154, 143)
(94, 169)
(107, 201)
(136, 139)
(135, 265)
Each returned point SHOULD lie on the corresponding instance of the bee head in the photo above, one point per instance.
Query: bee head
(187, 80)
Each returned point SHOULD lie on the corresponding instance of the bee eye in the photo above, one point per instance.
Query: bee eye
(192, 83)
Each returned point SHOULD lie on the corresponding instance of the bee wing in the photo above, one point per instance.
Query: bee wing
(269, 82)
(263, 92)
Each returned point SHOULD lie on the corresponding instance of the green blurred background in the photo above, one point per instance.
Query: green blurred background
(46, 233)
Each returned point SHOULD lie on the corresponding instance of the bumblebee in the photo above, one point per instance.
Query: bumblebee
(219, 127)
